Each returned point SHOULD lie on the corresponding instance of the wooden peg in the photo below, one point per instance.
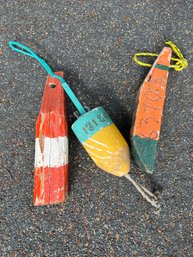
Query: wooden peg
(147, 118)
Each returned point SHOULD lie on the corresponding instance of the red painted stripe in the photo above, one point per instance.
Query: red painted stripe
(50, 185)
(53, 98)
(51, 125)
(52, 121)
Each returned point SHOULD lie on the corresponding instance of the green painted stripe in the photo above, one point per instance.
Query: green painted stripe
(161, 67)
(144, 152)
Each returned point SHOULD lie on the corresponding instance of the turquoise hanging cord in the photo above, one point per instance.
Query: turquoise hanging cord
(16, 46)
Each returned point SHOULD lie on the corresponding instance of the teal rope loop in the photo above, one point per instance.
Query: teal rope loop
(16, 46)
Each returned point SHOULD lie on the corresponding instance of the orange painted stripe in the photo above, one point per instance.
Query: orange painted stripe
(148, 114)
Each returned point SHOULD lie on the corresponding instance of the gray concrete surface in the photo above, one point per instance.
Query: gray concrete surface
(93, 42)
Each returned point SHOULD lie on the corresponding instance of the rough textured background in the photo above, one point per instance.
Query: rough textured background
(93, 42)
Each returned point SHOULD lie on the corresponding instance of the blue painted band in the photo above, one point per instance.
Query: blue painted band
(90, 123)
(16, 46)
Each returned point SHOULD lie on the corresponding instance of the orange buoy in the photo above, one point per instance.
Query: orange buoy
(147, 118)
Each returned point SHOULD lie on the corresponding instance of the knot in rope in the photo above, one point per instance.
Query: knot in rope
(180, 62)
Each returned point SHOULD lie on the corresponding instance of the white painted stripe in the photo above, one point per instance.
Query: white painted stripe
(55, 152)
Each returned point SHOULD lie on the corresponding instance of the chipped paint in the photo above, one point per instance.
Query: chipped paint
(51, 147)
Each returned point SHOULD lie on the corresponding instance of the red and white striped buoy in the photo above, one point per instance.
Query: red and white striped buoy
(51, 146)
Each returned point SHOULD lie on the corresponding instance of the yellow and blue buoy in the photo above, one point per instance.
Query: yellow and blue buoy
(103, 141)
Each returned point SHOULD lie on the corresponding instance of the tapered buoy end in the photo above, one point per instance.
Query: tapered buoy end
(116, 158)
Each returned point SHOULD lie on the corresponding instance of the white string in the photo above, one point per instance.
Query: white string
(149, 196)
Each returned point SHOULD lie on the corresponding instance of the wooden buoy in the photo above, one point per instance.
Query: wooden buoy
(147, 117)
(51, 147)
(103, 141)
